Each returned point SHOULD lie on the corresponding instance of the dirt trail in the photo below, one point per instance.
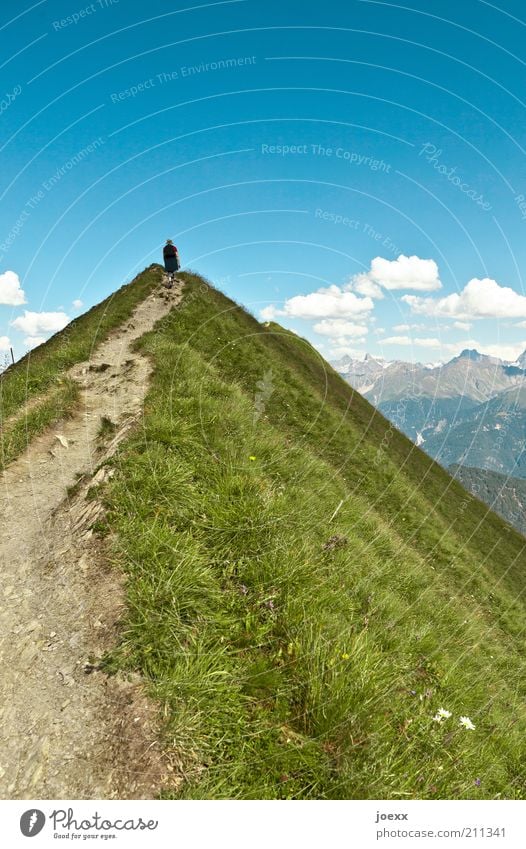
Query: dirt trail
(67, 731)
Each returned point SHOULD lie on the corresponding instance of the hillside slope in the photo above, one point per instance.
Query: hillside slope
(306, 588)
(68, 731)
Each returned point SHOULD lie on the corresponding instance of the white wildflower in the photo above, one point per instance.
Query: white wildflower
(441, 714)
(467, 723)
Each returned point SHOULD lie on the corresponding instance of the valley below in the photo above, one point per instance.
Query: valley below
(468, 414)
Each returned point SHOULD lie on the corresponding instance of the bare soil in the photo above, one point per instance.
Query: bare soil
(67, 730)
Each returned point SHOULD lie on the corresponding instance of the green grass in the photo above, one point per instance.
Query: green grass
(37, 380)
(305, 587)
(59, 402)
(106, 428)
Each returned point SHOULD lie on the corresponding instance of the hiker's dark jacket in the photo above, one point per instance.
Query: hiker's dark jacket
(171, 259)
(169, 250)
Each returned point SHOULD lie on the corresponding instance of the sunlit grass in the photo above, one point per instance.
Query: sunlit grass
(307, 589)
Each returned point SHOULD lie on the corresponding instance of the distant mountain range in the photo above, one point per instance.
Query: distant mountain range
(468, 412)
(470, 375)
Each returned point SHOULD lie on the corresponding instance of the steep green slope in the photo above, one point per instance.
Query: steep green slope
(307, 588)
(36, 391)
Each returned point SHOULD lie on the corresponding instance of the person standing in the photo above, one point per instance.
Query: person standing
(171, 259)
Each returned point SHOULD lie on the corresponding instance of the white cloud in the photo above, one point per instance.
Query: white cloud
(36, 323)
(427, 343)
(346, 351)
(4, 343)
(332, 302)
(397, 340)
(78, 304)
(462, 325)
(11, 292)
(34, 341)
(340, 327)
(268, 313)
(421, 342)
(507, 352)
(510, 352)
(404, 328)
(355, 300)
(479, 299)
(363, 284)
(406, 272)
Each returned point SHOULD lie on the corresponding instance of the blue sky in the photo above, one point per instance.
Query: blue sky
(355, 171)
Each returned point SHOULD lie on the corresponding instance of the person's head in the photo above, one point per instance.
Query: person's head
(169, 242)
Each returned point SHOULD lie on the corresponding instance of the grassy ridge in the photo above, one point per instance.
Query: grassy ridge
(38, 378)
(306, 588)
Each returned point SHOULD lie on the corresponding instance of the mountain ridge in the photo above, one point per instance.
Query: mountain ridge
(322, 563)
(468, 411)
(304, 588)
(480, 376)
